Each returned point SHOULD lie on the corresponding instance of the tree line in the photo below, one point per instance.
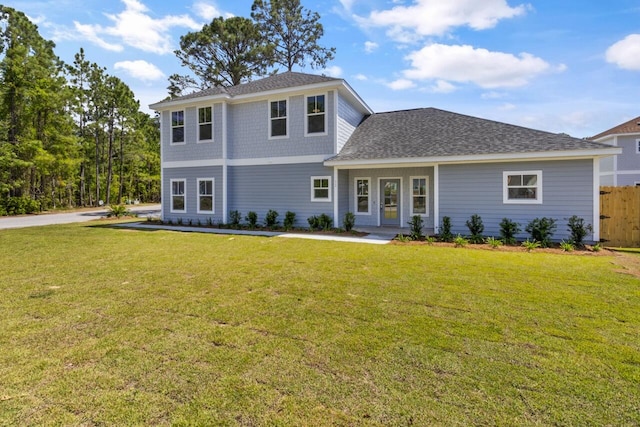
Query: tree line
(70, 134)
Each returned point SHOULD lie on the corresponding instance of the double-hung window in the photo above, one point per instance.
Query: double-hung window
(278, 119)
(419, 195)
(320, 188)
(177, 127)
(522, 187)
(205, 195)
(362, 195)
(178, 195)
(205, 124)
(316, 117)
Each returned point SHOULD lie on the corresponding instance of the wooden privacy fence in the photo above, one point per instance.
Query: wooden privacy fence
(620, 216)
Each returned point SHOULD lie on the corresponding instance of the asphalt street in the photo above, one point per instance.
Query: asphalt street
(70, 217)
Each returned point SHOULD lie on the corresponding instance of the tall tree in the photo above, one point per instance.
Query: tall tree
(226, 52)
(294, 31)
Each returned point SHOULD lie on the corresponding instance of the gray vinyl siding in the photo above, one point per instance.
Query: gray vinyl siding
(348, 120)
(191, 189)
(249, 130)
(405, 174)
(628, 179)
(191, 149)
(567, 189)
(279, 187)
(629, 160)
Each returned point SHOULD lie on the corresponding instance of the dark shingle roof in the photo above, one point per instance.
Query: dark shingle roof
(284, 80)
(429, 132)
(632, 126)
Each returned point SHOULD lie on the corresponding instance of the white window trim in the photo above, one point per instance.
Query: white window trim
(204, 141)
(638, 146)
(306, 115)
(184, 127)
(355, 196)
(505, 188)
(184, 181)
(213, 195)
(270, 119)
(426, 183)
(313, 198)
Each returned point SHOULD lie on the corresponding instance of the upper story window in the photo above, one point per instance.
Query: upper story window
(316, 117)
(205, 124)
(637, 146)
(278, 119)
(522, 187)
(177, 127)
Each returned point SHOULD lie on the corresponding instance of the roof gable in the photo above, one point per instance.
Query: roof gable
(432, 133)
(632, 126)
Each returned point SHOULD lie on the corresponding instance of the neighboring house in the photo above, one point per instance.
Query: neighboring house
(623, 169)
(309, 144)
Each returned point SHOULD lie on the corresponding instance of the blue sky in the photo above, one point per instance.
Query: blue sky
(562, 66)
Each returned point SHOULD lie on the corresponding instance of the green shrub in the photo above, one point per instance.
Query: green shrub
(597, 247)
(460, 242)
(493, 242)
(210, 222)
(234, 218)
(445, 230)
(416, 224)
(118, 211)
(566, 246)
(530, 245)
(476, 227)
(18, 206)
(271, 218)
(252, 219)
(313, 222)
(508, 231)
(349, 221)
(179, 221)
(541, 230)
(430, 240)
(325, 222)
(402, 238)
(578, 230)
(289, 220)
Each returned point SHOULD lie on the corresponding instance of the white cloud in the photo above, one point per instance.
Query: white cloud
(209, 11)
(424, 18)
(370, 46)
(401, 84)
(625, 53)
(334, 71)
(141, 70)
(135, 28)
(508, 107)
(361, 77)
(443, 86)
(466, 64)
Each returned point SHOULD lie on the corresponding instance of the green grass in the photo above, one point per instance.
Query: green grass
(121, 327)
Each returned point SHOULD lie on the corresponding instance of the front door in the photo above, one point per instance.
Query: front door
(390, 202)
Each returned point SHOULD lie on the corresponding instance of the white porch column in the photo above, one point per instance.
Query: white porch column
(336, 220)
(225, 185)
(436, 199)
(596, 200)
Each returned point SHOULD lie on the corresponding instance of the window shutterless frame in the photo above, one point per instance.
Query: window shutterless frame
(419, 195)
(178, 196)
(320, 188)
(206, 195)
(279, 119)
(177, 127)
(315, 115)
(362, 196)
(205, 124)
(522, 187)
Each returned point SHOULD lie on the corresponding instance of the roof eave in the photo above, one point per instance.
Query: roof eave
(482, 158)
(163, 105)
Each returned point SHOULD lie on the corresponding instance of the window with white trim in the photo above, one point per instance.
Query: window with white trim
(278, 119)
(178, 195)
(637, 146)
(320, 188)
(177, 127)
(419, 195)
(362, 195)
(205, 124)
(522, 187)
(316, 117)
(205, 195)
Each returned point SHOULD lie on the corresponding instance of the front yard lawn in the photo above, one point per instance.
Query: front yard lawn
(120, 327)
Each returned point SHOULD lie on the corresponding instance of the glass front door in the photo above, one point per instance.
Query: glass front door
(390, 205)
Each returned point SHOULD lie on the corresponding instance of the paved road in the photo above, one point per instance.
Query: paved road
(66, 218)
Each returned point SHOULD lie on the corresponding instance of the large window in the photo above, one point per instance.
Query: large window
(205, 124)
(205, 195)
(362, 195)
(522, 187)
(177, 127)
(316, 117)
(278, 119)
(178, 195)
(419, 195)
(320, 188)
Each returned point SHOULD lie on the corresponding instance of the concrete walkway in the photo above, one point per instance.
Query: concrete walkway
(374, 239)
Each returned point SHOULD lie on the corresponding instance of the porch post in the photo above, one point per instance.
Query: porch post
(336, 220)
(596, 199)
(436, 199)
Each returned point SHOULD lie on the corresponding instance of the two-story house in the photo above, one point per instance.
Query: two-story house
(309, 144)
(623, 169)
